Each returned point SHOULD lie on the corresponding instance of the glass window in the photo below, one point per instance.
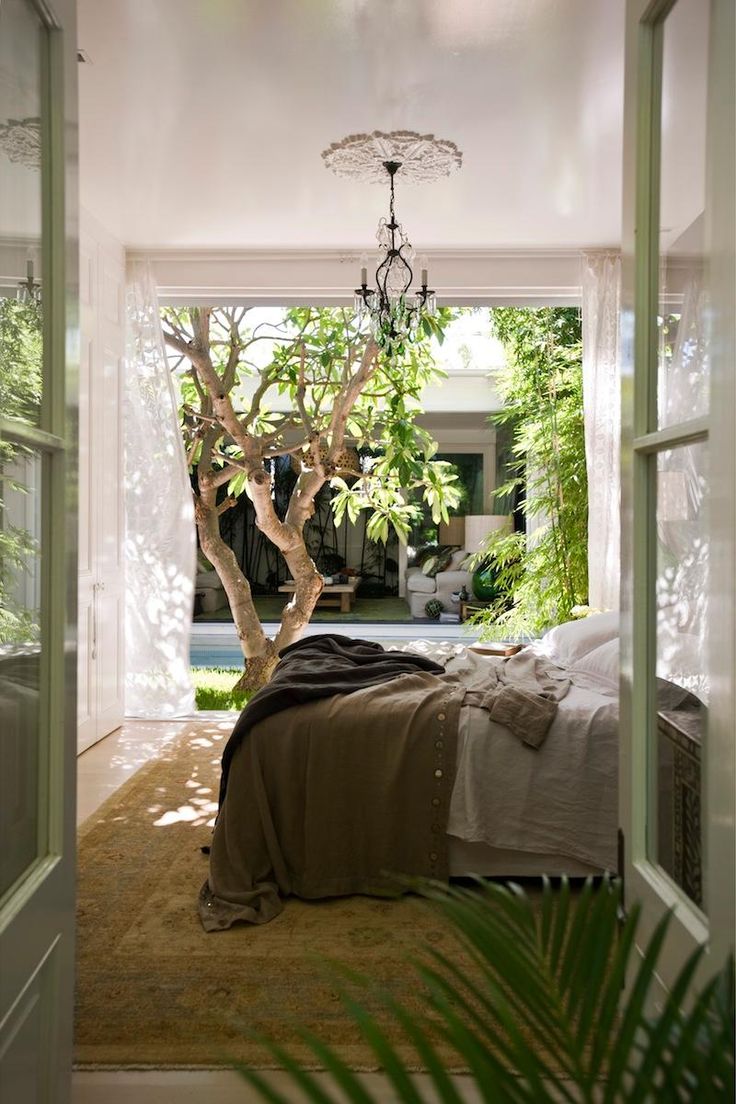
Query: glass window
(682, 377)
(20, 658)
(23, 731)
(681, 666)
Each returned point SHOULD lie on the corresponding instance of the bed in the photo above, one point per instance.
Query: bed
(418, 775)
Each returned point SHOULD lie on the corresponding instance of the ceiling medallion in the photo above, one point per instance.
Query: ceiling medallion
(20, 139)
(422, 158)
(395, 315)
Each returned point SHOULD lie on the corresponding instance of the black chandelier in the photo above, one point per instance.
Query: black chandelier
(395, 315)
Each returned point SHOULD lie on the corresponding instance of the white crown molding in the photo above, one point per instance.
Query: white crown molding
(530, 277)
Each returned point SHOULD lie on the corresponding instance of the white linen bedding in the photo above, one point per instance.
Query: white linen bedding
(558, 800)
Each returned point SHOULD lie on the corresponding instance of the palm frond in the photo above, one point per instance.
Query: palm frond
(533, 1006)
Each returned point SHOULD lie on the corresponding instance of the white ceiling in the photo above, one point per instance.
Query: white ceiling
(202, 121)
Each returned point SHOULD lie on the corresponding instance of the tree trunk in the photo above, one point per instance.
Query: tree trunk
(258, 669)
(259, 652)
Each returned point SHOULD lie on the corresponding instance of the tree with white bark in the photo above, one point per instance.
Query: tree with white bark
(337, 391)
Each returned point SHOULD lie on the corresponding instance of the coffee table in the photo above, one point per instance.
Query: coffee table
(333, 594)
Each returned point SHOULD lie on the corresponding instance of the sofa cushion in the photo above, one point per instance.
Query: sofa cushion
(207, 579)
(419, 583)
(453, 579)
(459, 556)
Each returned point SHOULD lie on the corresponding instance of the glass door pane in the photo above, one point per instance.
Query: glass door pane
(676, 506)
(20, 662)
(21, 49)
(24, 729)
(682, 378)
(682, 688)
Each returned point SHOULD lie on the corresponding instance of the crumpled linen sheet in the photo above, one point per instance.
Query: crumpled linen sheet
(521, 692)
(561, 799)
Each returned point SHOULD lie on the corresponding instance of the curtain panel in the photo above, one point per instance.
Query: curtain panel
(601, 286)
(160, 540)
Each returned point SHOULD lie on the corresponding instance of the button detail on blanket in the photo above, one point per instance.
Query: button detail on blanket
(441, 716)
(435, 801)
(438, 773)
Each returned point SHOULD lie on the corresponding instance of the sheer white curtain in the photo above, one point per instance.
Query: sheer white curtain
(601, 283)
(160, 545)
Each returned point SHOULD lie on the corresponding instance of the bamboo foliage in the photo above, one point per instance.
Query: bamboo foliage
(544, 576)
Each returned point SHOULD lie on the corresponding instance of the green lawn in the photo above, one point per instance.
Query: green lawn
(213, 687)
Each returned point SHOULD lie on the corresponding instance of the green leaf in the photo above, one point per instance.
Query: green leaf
(236, 486)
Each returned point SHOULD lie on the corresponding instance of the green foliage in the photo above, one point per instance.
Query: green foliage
(542, 579)
(310, 356)
(541, 1015)
(21, 344)
(21, 350)
(213, 688)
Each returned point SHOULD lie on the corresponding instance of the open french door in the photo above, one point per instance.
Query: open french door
(38, 340)
(678, 677)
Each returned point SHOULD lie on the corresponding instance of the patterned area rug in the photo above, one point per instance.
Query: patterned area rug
(154, 990)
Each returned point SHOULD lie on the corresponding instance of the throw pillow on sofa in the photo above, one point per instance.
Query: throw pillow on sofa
(438, 562)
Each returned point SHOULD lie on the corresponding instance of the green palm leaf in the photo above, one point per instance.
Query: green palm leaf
(534, 1007)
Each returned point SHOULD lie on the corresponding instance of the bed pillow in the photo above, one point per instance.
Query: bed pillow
(566, 643)
(602, 662)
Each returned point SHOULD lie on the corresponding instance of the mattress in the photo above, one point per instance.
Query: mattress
(466, 859)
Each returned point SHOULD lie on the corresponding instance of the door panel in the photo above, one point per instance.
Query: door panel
(101, 521)
(29, 1030)
(111, 672)
(676, 351)
(38, 344)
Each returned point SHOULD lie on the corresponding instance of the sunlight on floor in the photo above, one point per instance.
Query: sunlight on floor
(104, 767)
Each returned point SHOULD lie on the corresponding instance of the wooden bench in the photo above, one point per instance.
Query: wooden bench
(334, 594)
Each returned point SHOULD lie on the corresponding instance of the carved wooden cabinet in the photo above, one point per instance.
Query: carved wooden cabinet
(680, 735)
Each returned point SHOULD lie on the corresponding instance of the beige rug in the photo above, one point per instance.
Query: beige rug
(154, 990)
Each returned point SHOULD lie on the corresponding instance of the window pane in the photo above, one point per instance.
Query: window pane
(20, 210)
(20, 657)
(682, 674)
(682, 391)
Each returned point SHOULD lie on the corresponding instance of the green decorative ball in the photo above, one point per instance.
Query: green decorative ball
(485, 587)
(433, 608)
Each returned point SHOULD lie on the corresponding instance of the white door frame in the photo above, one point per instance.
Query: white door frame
(641, 440)
(37, 912)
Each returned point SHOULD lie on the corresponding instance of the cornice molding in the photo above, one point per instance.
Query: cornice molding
(327, 277)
